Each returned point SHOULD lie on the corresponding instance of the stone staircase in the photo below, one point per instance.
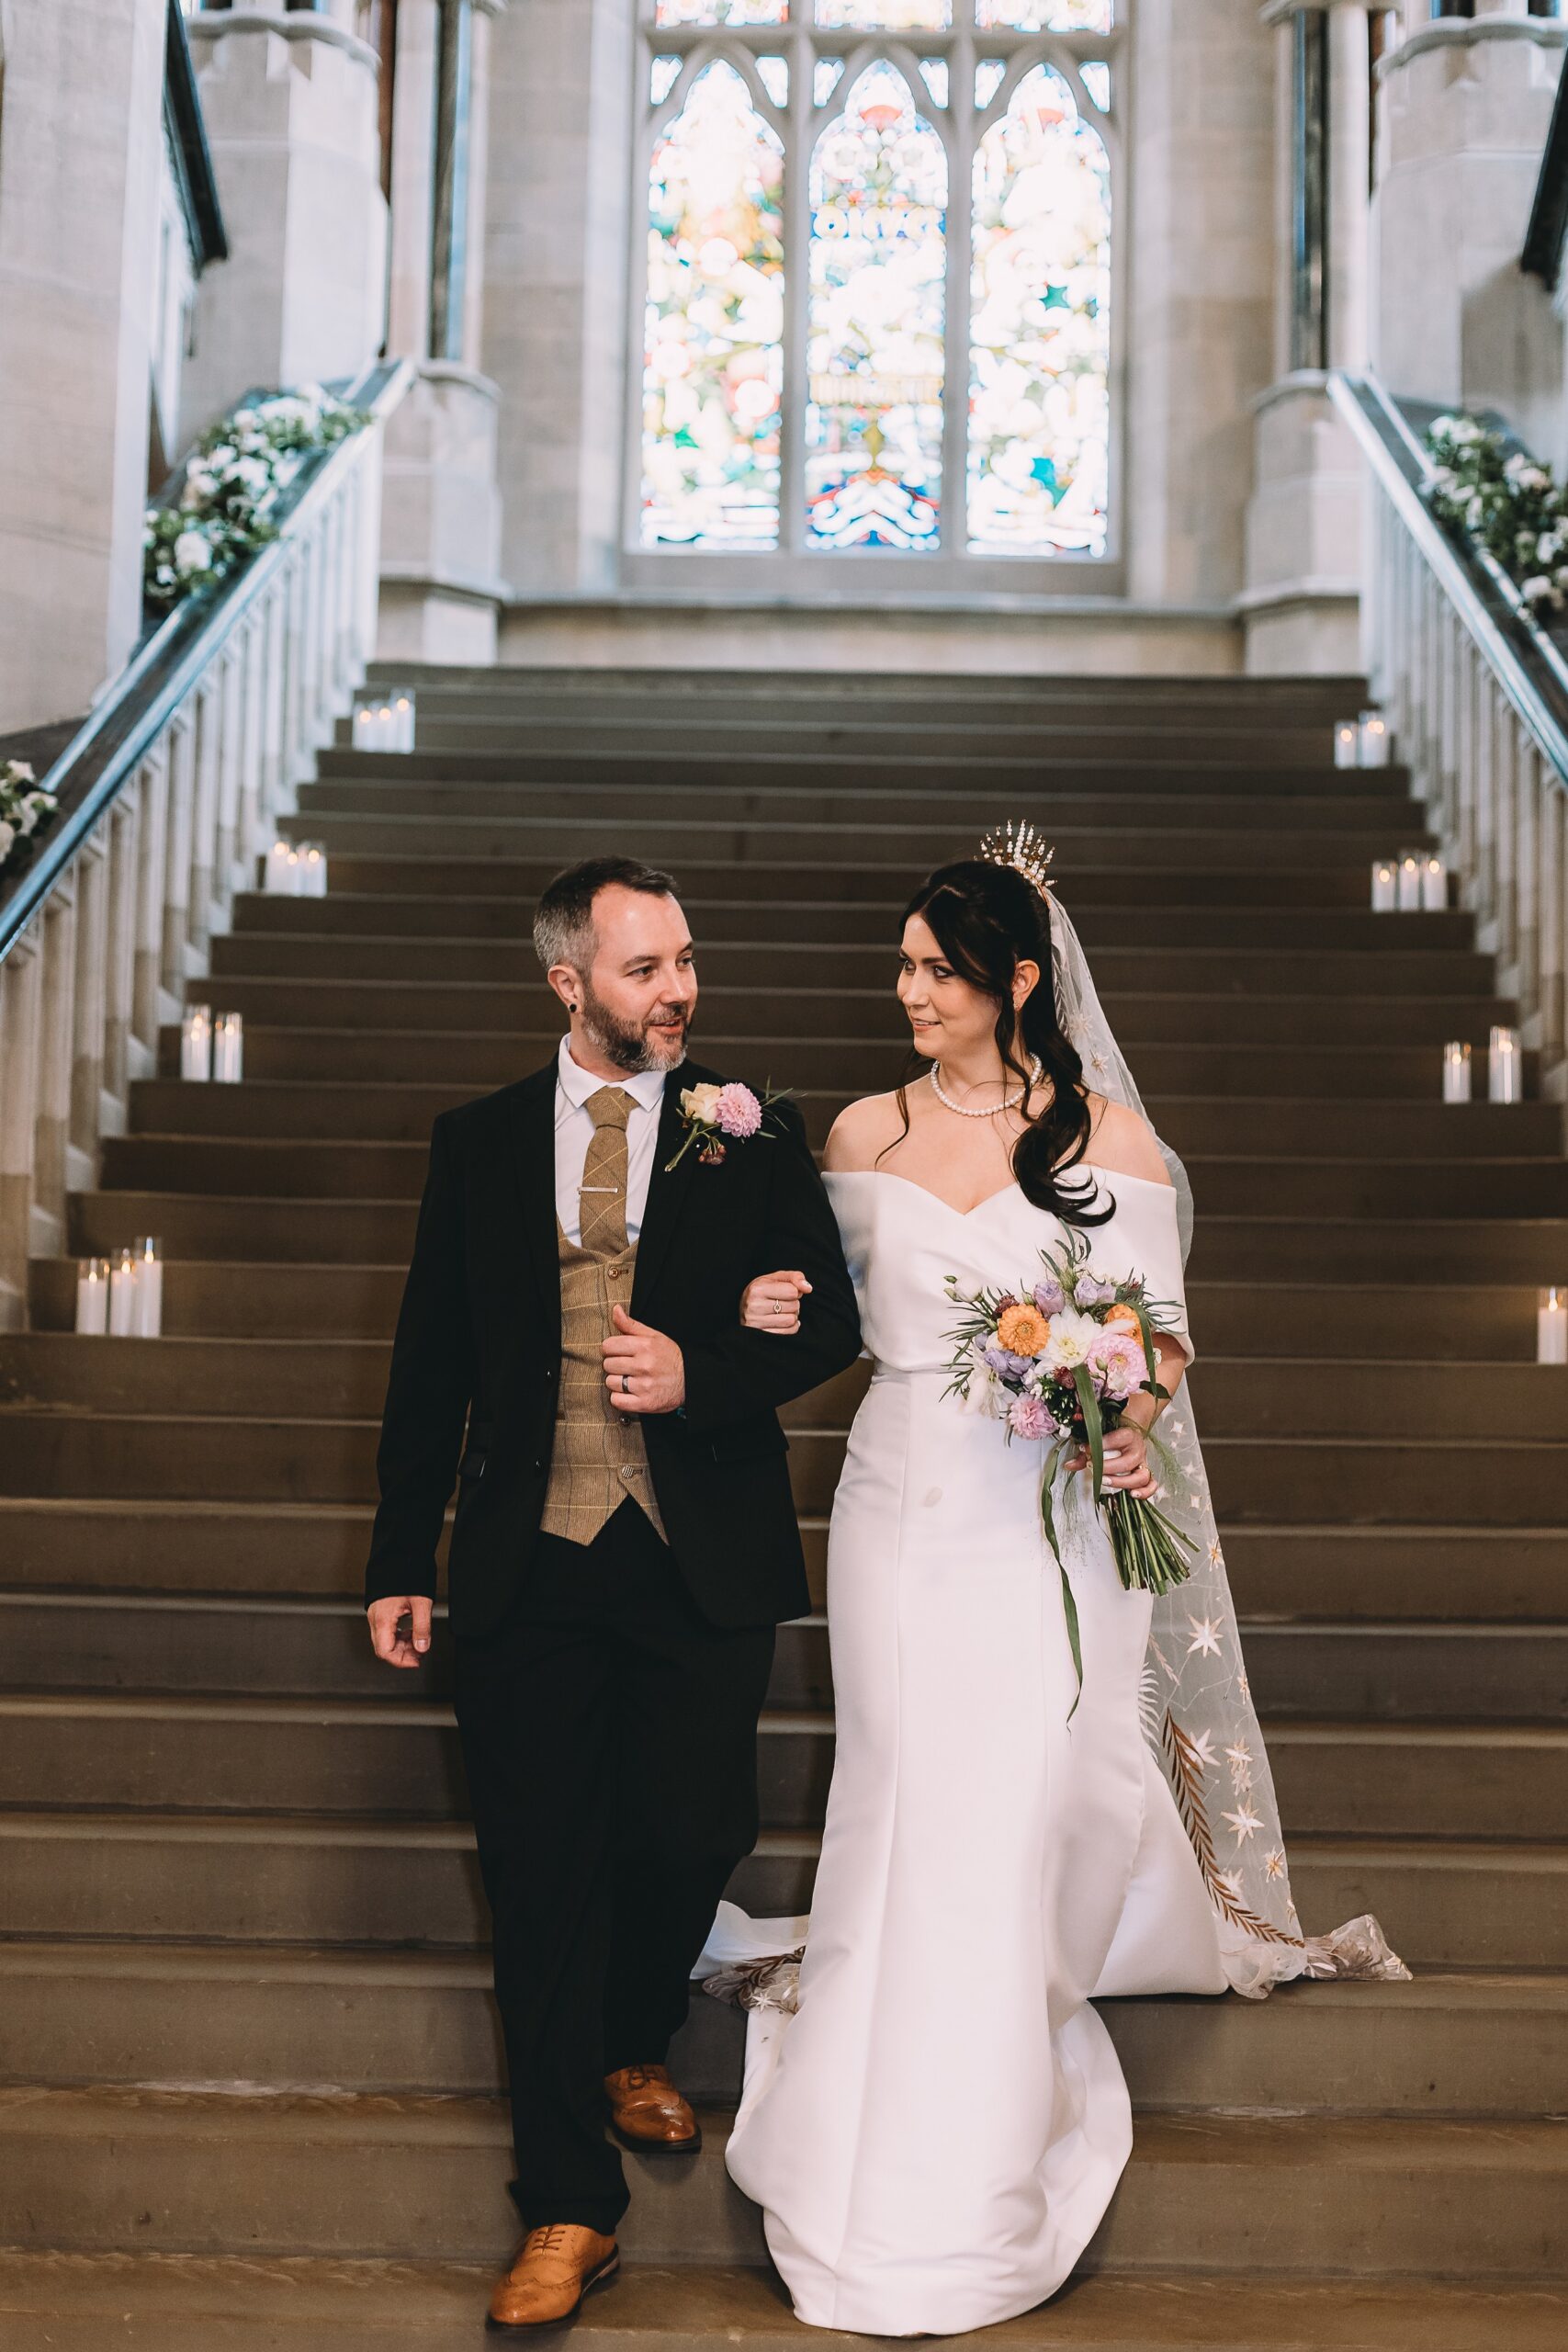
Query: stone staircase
(248, 2068)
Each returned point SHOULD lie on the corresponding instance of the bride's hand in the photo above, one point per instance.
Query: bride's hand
(771, 1303)
(1126, 1462)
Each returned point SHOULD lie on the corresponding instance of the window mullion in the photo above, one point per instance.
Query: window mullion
(955, 370)
(797, 250)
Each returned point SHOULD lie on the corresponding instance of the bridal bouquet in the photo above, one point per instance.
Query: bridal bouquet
(1056, 1361)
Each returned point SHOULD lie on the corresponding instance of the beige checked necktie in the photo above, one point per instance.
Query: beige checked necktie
(602, 1202)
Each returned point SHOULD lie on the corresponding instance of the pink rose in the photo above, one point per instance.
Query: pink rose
(1118, 1362)
(1027, 1417)
(737, 1112)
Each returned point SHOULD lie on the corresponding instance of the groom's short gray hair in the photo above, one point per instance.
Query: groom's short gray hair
(563, 919)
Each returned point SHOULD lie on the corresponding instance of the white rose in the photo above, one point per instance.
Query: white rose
(27, 816)
(1535, 591)
(8, 835)
(192, 554)
(702, 1102)
(20, 770)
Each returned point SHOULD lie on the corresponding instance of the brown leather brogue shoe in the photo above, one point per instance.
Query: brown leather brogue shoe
(554, 2268)
(648, 2113)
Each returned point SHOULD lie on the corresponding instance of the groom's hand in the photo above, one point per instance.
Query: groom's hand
(644, 1372)
(384, 1618)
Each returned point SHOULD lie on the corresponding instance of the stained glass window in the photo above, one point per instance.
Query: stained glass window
(989, 75)
(1040, 352)
(774, 74)
(1048, 16)
(885, 15)
(714, 360)
(663, 73)
(722, 12)
(874, 355)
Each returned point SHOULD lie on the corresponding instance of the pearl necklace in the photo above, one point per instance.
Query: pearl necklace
(988, 1111)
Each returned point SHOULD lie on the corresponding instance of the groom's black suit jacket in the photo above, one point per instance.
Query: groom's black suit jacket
(480, 1327)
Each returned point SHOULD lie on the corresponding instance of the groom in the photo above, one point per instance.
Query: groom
(624, 1540)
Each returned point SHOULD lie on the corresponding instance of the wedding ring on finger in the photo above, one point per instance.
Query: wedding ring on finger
(625, 1384)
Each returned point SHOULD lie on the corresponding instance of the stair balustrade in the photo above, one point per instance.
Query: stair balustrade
(168, 794)
(1477, 694)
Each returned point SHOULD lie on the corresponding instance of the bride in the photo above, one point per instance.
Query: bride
(933, 2117)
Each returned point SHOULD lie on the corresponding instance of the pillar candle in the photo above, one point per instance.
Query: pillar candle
(1373, 740)
(1434, 887)
(149, 1287)
(1384, 886)
(402, 715)
(196, 1042)
(278, 858)
(1456, 1073)
(1347, 743)
(1551, 1326)
(363, 724)
(1505, 1068)
(93, 1296)
(122, 1296)
(314, 870)
(1410, 864)
(227, 1048)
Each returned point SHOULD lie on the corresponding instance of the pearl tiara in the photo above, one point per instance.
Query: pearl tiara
(1018, 844)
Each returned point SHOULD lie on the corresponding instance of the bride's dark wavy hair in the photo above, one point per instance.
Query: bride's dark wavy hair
(988, 920)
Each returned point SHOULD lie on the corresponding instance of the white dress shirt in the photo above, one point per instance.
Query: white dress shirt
(574, 1130)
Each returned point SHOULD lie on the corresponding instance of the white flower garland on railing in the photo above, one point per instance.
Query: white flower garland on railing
(231, 477)
(23, 808)
(1507, 504)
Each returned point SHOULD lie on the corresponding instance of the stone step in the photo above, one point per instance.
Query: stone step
(397, 1755)
(345, 1379)
(322, 1232)
(1205, 1127)
(200, 2017)
(1306, 1573)
(46, 1452)
(1201, 700)
(52, 2303)
(938, 805)
(316, 1169)
(311, 1879)
(1101, 924)
(1370, 2196)
(1390, 965)
(893, 856)
(1326, 879)
(249, 1643)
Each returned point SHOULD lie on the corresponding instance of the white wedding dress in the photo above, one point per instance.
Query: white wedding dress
(934, 2134)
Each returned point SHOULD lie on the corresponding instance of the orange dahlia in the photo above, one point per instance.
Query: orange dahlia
(1023, 1330)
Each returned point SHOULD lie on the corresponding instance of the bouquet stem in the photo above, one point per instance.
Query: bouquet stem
(1149, 1552)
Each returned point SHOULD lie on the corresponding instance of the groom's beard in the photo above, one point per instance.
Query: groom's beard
(636, 1045)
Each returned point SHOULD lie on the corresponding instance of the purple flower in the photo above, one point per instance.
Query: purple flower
(1027, 1417)
(1003, 1363)
(1089, 1291)
(1049, 1297)
(738, 1112)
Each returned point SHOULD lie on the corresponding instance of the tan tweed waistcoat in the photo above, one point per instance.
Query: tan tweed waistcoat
(599, 1458)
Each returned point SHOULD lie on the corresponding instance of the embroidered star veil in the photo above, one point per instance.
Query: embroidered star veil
(1197, 1706)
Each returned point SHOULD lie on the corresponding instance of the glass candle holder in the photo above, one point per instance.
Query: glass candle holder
(1456, 1072)
(148, 1286)
(1505, 1067)
(1552, 1325)
(196, 1042)
(1434, 887)
(403, 702)
(312, 869)
(227, 1048)
(1373, 743)
(124, 1275)
(1347, 742)
(1385, 885)
(279, 876)
(1411, 861)
(93, 1296)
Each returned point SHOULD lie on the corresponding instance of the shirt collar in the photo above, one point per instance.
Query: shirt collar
(646, 1086)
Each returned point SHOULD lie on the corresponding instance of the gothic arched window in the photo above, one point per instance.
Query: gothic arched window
(877, 301)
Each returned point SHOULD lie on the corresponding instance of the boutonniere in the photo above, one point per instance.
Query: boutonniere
(716, 1116)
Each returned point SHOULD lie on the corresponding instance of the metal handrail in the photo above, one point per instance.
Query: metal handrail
(106, 749)
(1529, 667)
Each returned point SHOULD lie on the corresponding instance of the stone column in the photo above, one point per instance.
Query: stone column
(1466, 102)
(441, 588)
(1301, 601)
(556, 258)
(290, 98)
(81, 163)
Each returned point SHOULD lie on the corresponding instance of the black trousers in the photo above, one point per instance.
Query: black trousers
(609, 1737)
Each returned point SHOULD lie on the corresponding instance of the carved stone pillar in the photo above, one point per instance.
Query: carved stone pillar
(1300, 604)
